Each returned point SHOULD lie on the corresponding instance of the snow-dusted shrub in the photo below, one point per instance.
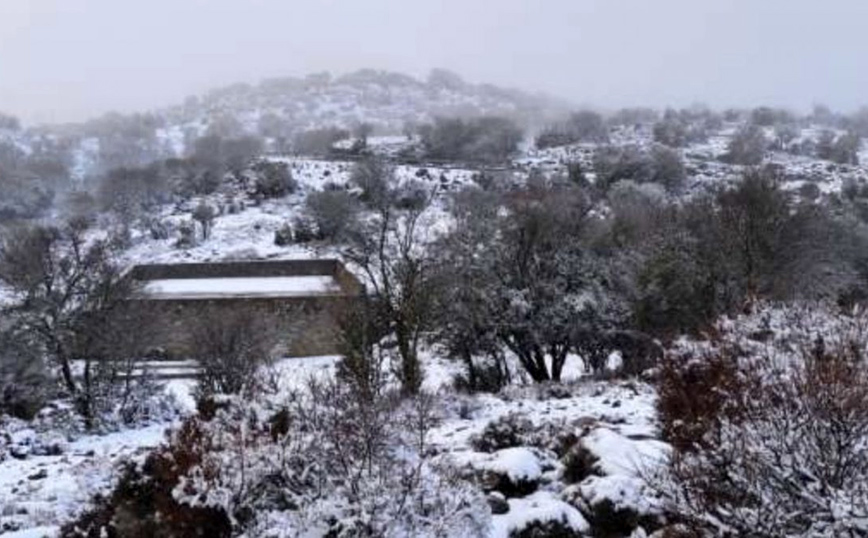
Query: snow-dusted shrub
(273, 179)
(374, 178)
(186, 235)
(333, 212)
(157, 229)
(363, 363)
(582, 126)
(507, 431)
(781, 450)
(747, 146)
(303, 230)
(578, 464)
(554, 528)
(342, 465)
(230, 349)
(283, 236)
(695, 391)
(204, 214)
(143, 505)
(327, 462)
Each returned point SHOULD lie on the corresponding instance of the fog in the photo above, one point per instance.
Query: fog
(65, 60)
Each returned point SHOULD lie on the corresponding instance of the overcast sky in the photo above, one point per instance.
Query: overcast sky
(70, 59)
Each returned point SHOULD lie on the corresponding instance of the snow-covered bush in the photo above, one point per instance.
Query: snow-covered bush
(283, 235)
(302, 230)
(327, 462)
(273, 179)
(143, 505)
(333, 211)
(770, 425)
(507, 431)
(204, 214)
(747, 146)
(186, 235)
(230, 349)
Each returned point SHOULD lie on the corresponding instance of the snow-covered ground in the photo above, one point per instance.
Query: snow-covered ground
(615, 422)
(44, 491)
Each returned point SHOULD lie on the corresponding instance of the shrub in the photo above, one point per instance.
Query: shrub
(143, 504)
(508, 431)
(186, 235)
(660, 165)
(332, 211)
(204, 214)
(583, 126)
(769, 439)
(283, 236)
(747, 146)
(579, 463)
(843, 149)
(330, 463)
(304, 230)
(484, 139)
(318, 141)
(374, 177)
(694, 392)
(273, 179)
(230, 349)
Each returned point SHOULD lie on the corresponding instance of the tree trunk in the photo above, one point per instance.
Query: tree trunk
(411, 372)
(559, 358)
(65, 370)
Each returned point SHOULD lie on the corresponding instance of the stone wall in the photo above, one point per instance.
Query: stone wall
(239, 269)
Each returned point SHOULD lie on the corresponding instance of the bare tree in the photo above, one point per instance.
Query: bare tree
(72, 300)
(230, 348)
(389, 249)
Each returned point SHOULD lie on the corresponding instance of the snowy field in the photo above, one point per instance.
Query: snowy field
(614, 420)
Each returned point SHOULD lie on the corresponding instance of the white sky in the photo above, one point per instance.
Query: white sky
(70, 59)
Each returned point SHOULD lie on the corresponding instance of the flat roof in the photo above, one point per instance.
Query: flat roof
(241, 287)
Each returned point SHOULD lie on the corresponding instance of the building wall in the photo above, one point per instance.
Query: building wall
(304, 326)
(239, 269)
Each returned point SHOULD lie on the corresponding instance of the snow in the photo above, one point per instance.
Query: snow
(41, 492)
(624, 492)
(542, 506)
(34, 532)
(293, 374)
(517, 463)
(621, 415)
(621, 455)
(200, 288)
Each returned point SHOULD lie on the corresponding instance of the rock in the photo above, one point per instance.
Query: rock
(514, 472)
(39, 475)
(578, 463)
(19, 452)
(498, 503)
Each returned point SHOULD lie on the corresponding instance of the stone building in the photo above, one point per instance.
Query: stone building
(297, 299)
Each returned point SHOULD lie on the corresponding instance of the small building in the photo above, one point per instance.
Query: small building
(297, 299)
